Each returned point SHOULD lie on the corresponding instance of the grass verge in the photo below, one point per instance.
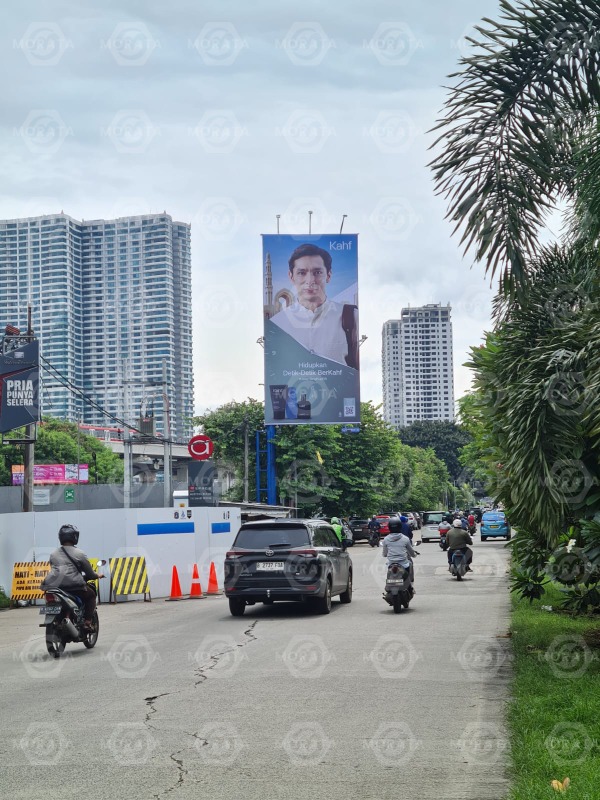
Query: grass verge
(554, 718)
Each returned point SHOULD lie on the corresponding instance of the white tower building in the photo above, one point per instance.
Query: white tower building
(418, 376)
(111, 301)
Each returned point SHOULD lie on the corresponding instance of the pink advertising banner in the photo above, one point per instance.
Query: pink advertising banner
(52, 473)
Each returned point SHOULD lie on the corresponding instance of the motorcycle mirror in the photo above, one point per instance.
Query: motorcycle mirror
(101, 562)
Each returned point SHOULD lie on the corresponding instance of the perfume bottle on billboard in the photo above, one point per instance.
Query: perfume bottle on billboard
(304, 408)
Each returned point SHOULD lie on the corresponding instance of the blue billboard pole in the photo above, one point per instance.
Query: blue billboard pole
(266, 463)
(271, 473)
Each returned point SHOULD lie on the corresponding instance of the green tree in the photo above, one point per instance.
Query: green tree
(373, 472)
(445, 438)
(476, 456)
(225, 426)
(428, 488)
(322, 470)
(60, 442)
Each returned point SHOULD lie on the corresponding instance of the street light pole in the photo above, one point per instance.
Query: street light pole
(167, 469)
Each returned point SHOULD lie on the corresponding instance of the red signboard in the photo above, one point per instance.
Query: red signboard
(201, 447)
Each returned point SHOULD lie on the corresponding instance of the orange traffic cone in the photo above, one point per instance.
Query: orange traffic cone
(213, 587)
(196, 590)
(175, 587)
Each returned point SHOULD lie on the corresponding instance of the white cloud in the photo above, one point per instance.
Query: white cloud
(371, 101)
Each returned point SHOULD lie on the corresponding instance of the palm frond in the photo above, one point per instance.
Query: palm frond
(509, 126)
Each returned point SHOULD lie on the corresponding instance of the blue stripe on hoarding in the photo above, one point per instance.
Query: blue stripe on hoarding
(220, 527)
(151, 529)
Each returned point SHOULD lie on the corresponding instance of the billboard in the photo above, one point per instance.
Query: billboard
(19, 383)
(311, 329)
(52, 473)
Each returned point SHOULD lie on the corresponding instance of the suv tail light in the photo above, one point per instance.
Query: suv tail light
(307, 553)
(52, 598)
(237, 553)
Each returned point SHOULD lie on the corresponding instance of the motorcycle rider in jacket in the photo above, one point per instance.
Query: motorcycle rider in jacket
(458, 539)
(398, 548)
(67, 563)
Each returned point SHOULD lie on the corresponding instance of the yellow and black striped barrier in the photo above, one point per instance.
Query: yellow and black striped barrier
(27, 576)
(128, 576)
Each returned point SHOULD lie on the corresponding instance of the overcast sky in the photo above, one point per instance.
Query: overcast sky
(226, 114)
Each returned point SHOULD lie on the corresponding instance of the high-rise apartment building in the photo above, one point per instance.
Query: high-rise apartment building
(111, 305)
(418, 378)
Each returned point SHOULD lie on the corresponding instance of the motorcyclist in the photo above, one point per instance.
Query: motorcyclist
(458, 539)
(472, 524)
(406, 527)
(67, 563)
(374, 528)
(337, 527)
(397, 547)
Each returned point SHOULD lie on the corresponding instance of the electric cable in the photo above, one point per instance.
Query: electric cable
(68, 384)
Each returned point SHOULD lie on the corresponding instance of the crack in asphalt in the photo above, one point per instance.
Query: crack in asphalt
(216, 657)
(153, 710)
(182, 772)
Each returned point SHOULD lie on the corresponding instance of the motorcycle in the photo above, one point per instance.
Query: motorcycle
(399, 590)
(64, 620)
(458, 564)
(374, 538)
(443, 529)
(472, 530)
(348, 535)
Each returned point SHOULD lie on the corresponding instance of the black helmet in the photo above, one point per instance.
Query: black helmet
(394, 525)
(68, 534)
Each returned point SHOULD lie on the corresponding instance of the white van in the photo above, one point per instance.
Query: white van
(431, 521)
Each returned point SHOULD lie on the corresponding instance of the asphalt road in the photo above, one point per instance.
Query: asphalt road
(181, 700)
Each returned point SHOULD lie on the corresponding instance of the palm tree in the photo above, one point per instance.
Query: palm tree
(511, 133)
(518, 139)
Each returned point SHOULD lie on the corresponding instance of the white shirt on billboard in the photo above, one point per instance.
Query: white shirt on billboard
(319, 331)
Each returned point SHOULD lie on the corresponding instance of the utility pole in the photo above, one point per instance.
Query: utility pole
(126, 449)
(29, 448)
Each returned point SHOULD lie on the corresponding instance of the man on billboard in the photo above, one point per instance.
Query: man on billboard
(311, 329)
(324, 327)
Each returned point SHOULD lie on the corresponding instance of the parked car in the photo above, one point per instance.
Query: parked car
(287, 559)
(384, 523)
(359, 528)
(431, 522)
(412, 521)
(494, 523)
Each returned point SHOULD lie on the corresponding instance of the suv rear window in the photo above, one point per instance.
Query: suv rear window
(270, 536)
(432, 517)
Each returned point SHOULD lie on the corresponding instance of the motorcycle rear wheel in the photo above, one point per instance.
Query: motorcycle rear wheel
(91, 637)
(55, 644)
(397, 604)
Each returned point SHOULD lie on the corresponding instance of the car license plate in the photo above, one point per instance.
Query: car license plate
(270, 566)
(50, 610)
(494, 526)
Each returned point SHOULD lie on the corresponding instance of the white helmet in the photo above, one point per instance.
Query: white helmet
(457, 524)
